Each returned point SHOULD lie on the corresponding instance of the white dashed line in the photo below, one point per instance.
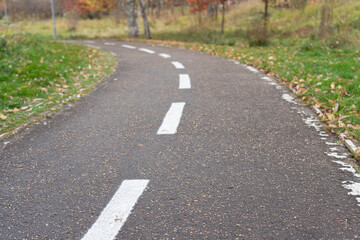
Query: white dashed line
(116, 212)
(109, 43)
(172, 119)
(164, 55)
(178, 65)
(147, 50)
(128, 46)
(184, 81)
(114, 54)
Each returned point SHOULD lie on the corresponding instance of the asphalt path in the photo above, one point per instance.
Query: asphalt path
(230, 155)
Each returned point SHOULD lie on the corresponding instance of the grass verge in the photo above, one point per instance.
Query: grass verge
(37, 75)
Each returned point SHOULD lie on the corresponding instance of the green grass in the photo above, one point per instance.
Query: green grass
(38, 75)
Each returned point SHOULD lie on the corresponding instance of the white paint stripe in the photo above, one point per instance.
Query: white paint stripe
(164, 55)
(88, 41)
(178, 65)
(116, 212)
(109, 43)
(114, 54)
(252, 69)
(351, 145)
(147, 50)
(172, 119)
(184, 81)
(128, 46)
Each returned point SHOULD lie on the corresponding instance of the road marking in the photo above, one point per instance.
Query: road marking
(172, 119)
(109, 43)
(184, 81)
(178, 65)
(128, 46)
(114, 54)
(147, 50)
(252, 69)
(116, 212)
(164, 55)
(88, 41)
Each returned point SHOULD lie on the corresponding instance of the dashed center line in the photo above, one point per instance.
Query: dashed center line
(164, 55)
(184, 81)
(109, 43)
(116, 212)
(172, 119)
(147, 50)
(128, 46)
(178, 65)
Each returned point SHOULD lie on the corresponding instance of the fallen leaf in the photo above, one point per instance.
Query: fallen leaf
(330, 116)
(2, 116)
(342, 117)
(341, 124)
(332, 126)
(358, 150)
(332, 85)
(353, 127)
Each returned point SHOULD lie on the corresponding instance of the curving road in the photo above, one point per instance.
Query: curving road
(179, 145)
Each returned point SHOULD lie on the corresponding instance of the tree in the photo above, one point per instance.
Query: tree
(223, 2)
(142, 4)
(197, 6)
(132, 19)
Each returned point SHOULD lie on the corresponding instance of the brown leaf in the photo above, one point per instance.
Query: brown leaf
(332, 126)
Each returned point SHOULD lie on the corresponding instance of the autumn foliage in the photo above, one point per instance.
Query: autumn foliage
(90, 8)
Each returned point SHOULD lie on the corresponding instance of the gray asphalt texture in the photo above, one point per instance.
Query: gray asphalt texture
(243, 164)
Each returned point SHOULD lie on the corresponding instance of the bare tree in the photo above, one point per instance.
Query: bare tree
(142, 4)
(132, 19)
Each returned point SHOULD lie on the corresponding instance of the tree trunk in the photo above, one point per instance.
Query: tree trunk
(266, 14)
(5, 12)
(223, 18)
(132, 19)
(142, 4)
(216, 10)
(199, 12)
(182, 7)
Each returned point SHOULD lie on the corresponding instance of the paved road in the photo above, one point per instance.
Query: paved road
(231, 155)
